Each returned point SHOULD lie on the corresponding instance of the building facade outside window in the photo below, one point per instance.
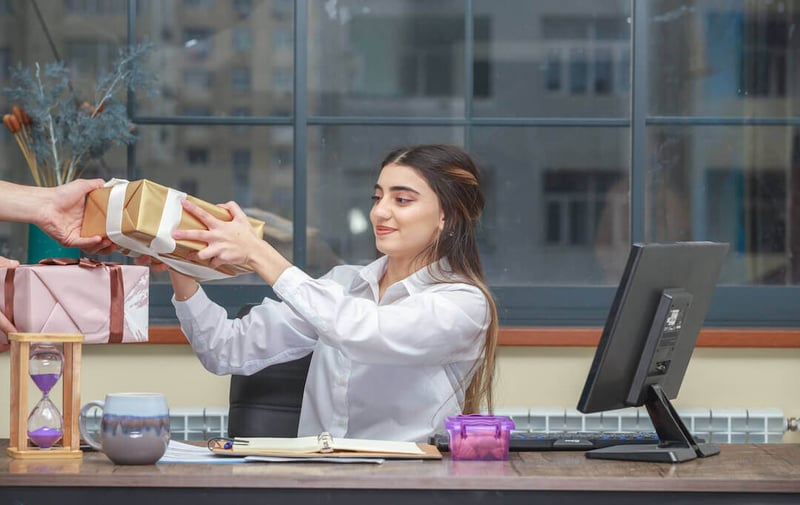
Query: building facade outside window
(597, 124)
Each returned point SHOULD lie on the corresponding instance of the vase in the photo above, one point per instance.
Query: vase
(41, 246)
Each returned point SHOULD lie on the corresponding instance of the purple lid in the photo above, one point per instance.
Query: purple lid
(464, 422)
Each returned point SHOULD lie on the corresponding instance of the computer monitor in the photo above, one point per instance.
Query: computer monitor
(647, 341)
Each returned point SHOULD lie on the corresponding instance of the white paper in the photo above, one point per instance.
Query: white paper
(179, 452)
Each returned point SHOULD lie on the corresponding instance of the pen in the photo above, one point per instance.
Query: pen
(227, 443)
(234, 441)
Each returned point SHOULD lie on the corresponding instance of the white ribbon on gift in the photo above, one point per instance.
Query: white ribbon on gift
(163, 242)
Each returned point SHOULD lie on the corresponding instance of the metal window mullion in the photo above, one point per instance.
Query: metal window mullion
(300, 130)
(469, 56)
(131, 172)
(639, 102)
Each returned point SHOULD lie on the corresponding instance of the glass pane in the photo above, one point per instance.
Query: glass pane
(86, 37)
(252, 166)
(219, 58)
(723, 57)
(545, 59)
(732, 184)
(343, 166)
(557, 204)
(398, 58)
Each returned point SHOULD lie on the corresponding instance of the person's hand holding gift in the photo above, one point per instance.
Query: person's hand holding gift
(62, 215)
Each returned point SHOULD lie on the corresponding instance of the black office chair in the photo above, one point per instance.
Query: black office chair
(267, 403)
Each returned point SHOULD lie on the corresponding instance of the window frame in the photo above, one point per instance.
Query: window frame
(534, 306)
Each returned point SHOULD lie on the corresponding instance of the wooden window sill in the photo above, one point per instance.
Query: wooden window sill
(584, 337)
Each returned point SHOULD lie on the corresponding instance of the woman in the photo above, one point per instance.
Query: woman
(398, 344)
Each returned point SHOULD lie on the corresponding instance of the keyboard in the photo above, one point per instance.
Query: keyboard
(562, 441)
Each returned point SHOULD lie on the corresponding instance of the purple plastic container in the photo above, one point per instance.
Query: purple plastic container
(479, 437)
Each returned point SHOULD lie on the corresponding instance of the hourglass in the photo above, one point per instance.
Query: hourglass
(45, 367)
(45, 358)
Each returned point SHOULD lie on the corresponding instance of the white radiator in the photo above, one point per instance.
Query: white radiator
(714, 425)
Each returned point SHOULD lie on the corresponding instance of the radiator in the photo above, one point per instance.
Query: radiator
(714, 425)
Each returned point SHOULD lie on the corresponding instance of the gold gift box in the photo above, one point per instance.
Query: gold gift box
(144, 202)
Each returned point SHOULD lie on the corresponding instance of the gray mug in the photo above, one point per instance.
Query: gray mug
(134, 428)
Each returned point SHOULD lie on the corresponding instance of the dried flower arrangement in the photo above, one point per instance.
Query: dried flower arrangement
(56, 131)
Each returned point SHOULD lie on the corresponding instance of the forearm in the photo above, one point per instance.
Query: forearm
(269, 334)
(266, 261)
(183, 285)
(22, 203)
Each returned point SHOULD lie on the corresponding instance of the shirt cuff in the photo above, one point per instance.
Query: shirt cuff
(194, 306)
(289, 281)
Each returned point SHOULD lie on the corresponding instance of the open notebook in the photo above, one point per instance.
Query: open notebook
(322, 445)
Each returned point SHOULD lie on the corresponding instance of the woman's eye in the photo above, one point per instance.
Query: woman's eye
(375, 198)
(403, 200)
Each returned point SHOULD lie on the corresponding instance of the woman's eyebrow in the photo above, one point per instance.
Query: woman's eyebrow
(398, 188)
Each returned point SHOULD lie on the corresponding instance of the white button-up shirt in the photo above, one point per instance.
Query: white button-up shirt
(388, 369)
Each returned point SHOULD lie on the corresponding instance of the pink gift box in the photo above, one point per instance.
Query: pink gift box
(103, 302)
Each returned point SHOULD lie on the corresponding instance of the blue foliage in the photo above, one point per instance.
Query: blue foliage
(65, 131)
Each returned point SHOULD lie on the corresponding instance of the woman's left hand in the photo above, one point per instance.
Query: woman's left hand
(229, 242)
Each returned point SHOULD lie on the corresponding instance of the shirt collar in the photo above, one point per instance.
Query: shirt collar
(425, 276)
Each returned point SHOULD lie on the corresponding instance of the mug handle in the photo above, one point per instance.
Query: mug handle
(93, 443)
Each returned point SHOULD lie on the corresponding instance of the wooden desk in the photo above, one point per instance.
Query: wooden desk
(752, 474)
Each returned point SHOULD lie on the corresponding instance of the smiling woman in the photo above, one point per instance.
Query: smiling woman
(412, 333)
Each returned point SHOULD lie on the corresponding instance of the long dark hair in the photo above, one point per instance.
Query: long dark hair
(455, 178)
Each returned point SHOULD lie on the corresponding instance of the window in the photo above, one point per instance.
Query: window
(577, 173)
(420, 47)
(766, 56)
(574, 200)
(199, 79)
(585, 55)
(243, 7)
(240, 79)
(282, 80)
(242, 39)
(242, 188)
(188, 186)
(197, 43)
(197, 156)
(282, 40)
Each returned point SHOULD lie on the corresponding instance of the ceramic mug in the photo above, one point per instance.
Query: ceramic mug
(134, 428)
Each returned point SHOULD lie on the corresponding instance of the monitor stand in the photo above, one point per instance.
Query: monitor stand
(676, 443)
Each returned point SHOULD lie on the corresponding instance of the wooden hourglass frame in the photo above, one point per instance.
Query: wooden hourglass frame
(70, 383)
